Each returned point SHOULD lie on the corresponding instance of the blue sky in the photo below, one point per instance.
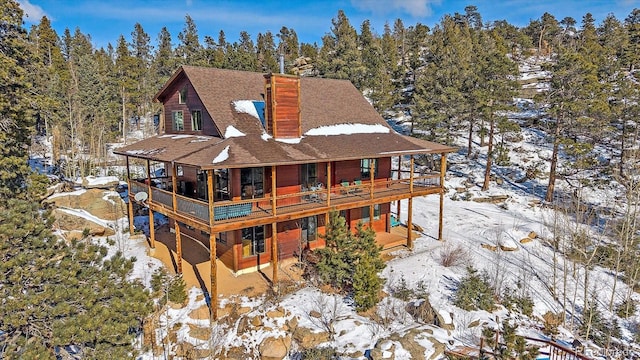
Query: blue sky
(106, 20)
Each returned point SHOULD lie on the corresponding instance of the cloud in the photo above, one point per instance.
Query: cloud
(415, 8)
(32, 13)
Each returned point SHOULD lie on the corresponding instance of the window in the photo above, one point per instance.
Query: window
(251, 182)
(365, 168)
(178, 120)
(196, 120)
(308, 175)
(222, 238)
(309, 228)
(179, 170)
(252, 240)
(366, 217)
(222, 185)
(182, 96)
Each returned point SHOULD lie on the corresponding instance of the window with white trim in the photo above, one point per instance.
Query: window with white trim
(178, 120)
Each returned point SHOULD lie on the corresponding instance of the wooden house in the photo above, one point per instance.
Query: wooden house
(253, 163)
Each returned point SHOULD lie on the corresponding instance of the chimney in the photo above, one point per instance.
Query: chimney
(282, 106)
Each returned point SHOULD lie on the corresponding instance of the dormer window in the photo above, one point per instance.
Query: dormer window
(182, 96)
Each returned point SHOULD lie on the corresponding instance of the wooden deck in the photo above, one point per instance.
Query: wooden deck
(396, 238)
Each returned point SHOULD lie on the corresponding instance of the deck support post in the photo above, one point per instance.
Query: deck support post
(129, 202)
(274, 255)
(152, 228)
(328, 187)
(213, 278)
(443, 170)
(213, 309)
(174, 186)
(398, 202)
(410, 225)
(178, 247)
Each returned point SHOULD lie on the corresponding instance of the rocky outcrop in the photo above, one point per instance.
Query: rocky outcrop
(274, 348)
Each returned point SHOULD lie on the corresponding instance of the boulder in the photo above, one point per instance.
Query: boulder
(200, 333)
(107, 205)
(274, 348)
(69, 222)
(308, 339)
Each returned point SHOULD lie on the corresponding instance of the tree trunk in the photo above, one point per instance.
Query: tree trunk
(487, 170)
(554, 165)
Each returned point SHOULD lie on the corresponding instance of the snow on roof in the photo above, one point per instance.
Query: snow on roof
(265, 136)
(176, 136)
(233, 132)
(289, 140)
(247, 107)
(224, 155)
(347, 129)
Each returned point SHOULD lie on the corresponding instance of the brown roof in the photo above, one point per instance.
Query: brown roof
(323, 103)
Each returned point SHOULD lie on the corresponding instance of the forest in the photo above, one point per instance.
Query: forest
(457, 79)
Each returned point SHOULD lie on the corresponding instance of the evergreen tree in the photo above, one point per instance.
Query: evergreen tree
(376, 80)
(16, 116)
(288, 44)
(632, 52)
(164, 60)
(242, 55)
(266, 52)
(441, 98)
(189, 51)
(339, 57)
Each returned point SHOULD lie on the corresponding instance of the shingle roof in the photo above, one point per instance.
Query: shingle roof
(324, 103)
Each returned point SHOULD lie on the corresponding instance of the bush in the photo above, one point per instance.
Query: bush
(626, 309)
(453, 255)
(171, 288)
(521, 303)
(474, 292)
(321, 353)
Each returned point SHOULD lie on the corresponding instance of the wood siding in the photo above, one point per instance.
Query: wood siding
(283, 106)
(193, 102)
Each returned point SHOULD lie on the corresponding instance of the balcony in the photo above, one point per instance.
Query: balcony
(236, 214)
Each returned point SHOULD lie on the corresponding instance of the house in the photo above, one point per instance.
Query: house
(251, 164)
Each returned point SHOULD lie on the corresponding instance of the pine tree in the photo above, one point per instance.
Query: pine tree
(266, 52)
(189, 51)
(164, 59)
(376, 82)
(339, 57)
(632, 52)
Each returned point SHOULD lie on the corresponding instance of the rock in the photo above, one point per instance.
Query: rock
(235, 353)
(277, 313)
(526, 240)
(107, 205)
(292, 323)
(243, 326)
(422, 312)
(69, 222)
(532, 235)
(489, 247)
(256, 321)
(185, 350)
(200, 333)
(315, 314)
(308, 339)
(274, 348)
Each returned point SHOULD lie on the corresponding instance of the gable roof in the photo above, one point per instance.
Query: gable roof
(338, 123)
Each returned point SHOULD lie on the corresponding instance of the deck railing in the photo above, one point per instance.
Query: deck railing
(317, 196)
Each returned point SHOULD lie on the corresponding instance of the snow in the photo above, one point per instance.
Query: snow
(348, 129)
(72, 193)
(247, 107)
(97, 180)
(233, 132)
(224, 155)
(265, 136)
(289, 140)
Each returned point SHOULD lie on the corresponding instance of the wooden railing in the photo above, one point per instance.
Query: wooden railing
(314, 197)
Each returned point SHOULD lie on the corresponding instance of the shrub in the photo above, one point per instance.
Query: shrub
(321, 353)
(453, 255)
(171, 288)
(627, 308)
(474, 292)
(521, 303)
